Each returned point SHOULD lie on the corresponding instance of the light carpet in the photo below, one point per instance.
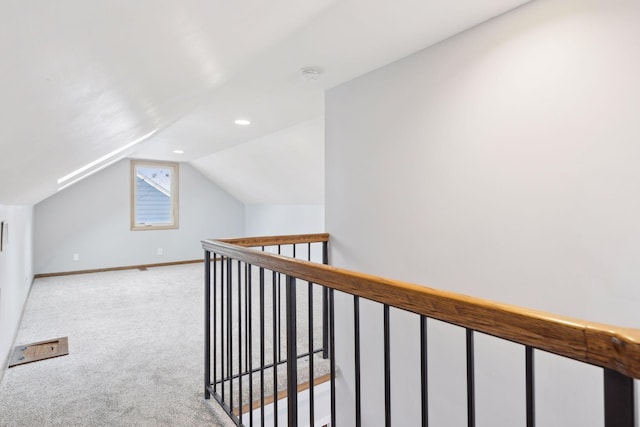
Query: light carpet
(136, 352)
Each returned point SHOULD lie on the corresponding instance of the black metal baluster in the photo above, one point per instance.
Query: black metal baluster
(356, 333)
(230, 331)
(424, 371)
(530, 385)
(471, 403)
(246, 315)
(332, 361)
(311, 348)
(207, 323)
(387, 369)
(325, 306)
(279, 341)
(240, 340)
(222, 328)
(619, 399)
(248, 290)
(325, 253)
(262, 345)
(275, 350)
(292, 352)
(215, 324)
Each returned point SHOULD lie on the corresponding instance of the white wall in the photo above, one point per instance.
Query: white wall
(16, 274)
(501, 163)
(273, 220)
(92, 219)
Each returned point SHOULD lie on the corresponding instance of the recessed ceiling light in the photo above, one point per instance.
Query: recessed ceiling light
(178, 151)
(242, 122)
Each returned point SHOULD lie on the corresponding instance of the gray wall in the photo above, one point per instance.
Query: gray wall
(271, 220)
(92, 219)
(501, 163)
(16, 274)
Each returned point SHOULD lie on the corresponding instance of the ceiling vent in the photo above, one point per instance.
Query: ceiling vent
(311, 73)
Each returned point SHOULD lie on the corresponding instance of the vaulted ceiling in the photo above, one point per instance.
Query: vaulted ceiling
(90, 82)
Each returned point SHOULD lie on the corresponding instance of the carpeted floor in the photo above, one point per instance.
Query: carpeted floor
(135, 343)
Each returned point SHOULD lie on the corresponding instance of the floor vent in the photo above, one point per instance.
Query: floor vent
(39, 351)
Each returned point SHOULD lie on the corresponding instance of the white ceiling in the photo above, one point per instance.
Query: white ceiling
(80, 79)
(287, 165)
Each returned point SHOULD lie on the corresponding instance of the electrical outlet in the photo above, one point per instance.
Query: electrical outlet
(76, 257)
(160, 251)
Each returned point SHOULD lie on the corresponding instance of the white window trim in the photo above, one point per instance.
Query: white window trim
(174, 195)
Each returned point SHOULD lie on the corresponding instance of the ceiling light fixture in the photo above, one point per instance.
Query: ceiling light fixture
(242, 122)
(178, 151)
(104, 158)
(311, 73)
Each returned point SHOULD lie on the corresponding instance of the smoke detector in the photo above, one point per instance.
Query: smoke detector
(311, 73)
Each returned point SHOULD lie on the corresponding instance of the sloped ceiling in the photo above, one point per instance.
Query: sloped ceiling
(80, 79)
(287, 165)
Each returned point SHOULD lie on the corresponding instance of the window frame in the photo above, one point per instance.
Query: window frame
(173, 196)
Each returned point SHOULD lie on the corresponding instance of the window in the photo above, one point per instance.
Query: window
(154, 195)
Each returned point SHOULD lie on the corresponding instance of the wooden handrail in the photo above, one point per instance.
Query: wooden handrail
(598, 344)
(277, 240)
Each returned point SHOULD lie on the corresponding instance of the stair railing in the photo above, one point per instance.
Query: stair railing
(245, 308)
(616, 350)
